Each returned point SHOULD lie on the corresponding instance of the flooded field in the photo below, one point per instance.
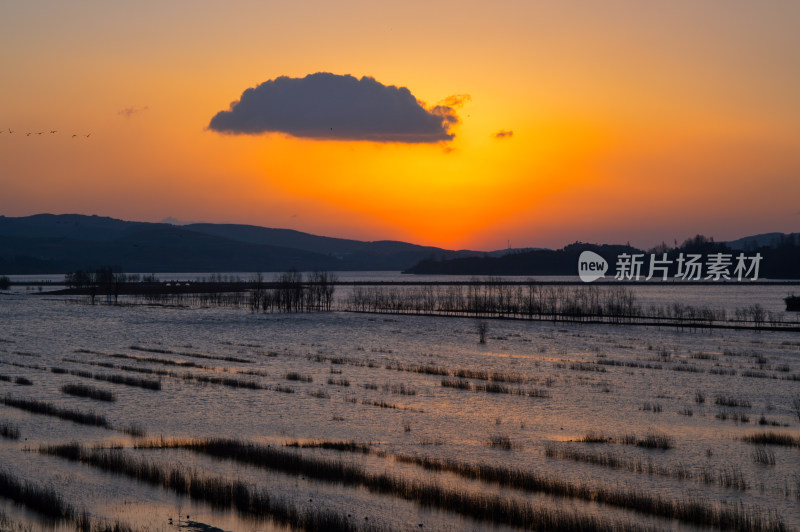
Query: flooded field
(151, 416)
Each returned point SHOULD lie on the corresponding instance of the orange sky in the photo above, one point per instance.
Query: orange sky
(632, 121)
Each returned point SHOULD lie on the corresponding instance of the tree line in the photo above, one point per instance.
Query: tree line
(107, 281)
(290, 292)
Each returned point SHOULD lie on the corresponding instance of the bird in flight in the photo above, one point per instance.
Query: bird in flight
(75, 135)
(89, 135)
(53, 131)
(10, 132)
(27, 134)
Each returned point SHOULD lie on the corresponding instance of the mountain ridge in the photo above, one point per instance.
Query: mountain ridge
(56, 243)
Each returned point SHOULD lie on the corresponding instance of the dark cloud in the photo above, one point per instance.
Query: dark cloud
(130, 111)
(504, 134)
(329, 106)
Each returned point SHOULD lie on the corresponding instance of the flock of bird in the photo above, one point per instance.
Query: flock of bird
(52, 132)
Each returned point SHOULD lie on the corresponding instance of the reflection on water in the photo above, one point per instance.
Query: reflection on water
(614, 381)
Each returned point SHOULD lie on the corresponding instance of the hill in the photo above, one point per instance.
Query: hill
(47, 243)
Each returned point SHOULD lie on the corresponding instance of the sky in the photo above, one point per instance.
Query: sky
(465, 125)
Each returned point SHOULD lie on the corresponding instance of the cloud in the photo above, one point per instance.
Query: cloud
(130, 111)
(504, 134)
(330, 106)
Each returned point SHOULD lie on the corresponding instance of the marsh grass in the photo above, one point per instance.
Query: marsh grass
(678, 471)
(320, 394)
(492, 387)
(135, 430)
(731, 401)
(49, 409)
(44, 501)
(484, 507)
(500, 441)
(459, 384)
(116, 378)
(699, 397)
(346, 446)
(731, 477)
(763, 420)
(295, 376)
(230, 382)
(383, 404)
(123, 367)
(595, 437)
(164, 361)
(82, 390)
(652, 407)
(764, 457)
(223, 358)
(583, 366)
(219, 492)
(9, 430)
(772, 438)
(737, 417)
(728, 477)
(628, 364)
(462, 373)
(652, 440)
(398, 389)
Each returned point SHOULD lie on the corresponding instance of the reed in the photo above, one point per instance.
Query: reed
(82, 390)
(9, 430)
(45, 501)
(729, 400)
(294, 376)
(500, 441)
(49, 409)
(115, 378)
(231, 382)
(764, 457)
(489, 508)
(224, 358)
(772, 438)
(219, 492)
(595, 437)
(484, 507)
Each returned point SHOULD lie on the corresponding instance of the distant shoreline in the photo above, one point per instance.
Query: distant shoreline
(204, 287)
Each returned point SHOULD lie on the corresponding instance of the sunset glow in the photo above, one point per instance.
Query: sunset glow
(624, 121)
